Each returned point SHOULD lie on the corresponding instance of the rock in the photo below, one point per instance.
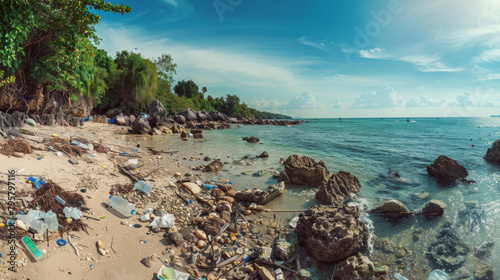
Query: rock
(265, 274)
(201, 244)
(155, 131)
(164, 129)
(252, 139)
(434, 207)
(177, 128)
(120, 119)
(286, 246)
(445, 168)
(132, 118)
(200, 234)
(157, 113)
(184, 135)
(217, 116)
(304, 171)
(493, 153)
(214, 166)
(448, 251)
(202, 116)
(146, 261)
(259, 196)
(100, 247)
(461, 274)
(392, 206)
(304, 275)
(207, 159)
(198, 136)
(141, 125)
(180, 119)
(331, 233)
(176, 238)
(263, 155)
(483, 271)
(338, 187)
(189, 114)
(484, 250)
(381, 270)
(388, 247)
(355, 268)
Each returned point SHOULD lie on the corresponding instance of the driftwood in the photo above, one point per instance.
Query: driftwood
(37, 139)
(134, 178)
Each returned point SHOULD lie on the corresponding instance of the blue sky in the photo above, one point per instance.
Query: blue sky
(357, 58)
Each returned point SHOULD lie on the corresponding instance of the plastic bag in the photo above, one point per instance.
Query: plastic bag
(438, 274)
(293, 222)
(51, 221)
(72, 212)
(165, 221)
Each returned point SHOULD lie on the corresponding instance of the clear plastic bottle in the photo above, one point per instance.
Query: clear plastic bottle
(60, 200)
(51, 221)
(72, 212)
(143, 186)
(121, 205)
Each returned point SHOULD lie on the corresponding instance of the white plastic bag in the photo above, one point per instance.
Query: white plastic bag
(293, 222)
(51, 221)
(165, 221)
(72, 212)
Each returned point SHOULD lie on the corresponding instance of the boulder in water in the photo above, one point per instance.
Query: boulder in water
(177, 128)
(303, 170)
(493, 153)
(434, 208)
(483, 271)
(157, 113)
(330, 233)
(447, 169)
(214, 166)
(263, 155)
(392, 206)
(338, 187)
(448, 251)
(141, 125)
(251, 139)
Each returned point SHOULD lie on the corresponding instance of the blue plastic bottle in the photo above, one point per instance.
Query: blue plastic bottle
(35, 182)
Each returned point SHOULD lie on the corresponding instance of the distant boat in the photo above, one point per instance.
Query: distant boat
(407, 120)
(340, 118)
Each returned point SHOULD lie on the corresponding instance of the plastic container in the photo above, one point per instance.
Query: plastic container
(208, 186)
(31, 248)
(35, 182)
(122, 206)
(438, 274)
(51, 221)
(72, 212)
(399, 276)
(145, 217)
(143, 186)
(60, 200)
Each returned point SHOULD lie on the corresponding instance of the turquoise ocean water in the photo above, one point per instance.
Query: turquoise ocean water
(368, 148)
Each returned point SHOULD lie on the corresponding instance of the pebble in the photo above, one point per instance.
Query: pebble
(201, 244)
(200, 234)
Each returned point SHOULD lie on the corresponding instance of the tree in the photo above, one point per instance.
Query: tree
(232, 104)
(188, 89)
(204, 90)
(166, 71)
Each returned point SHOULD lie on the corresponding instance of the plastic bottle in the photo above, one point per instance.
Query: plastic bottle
(143, 186)
(121, 205)
(208, 186)
(399, 276)
(60, 200)
(35, 182)
(31, 248)
(51, 221)
(72, 212)
(438, 274)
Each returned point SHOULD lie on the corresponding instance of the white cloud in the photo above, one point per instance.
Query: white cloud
(304, 101)
(426, 63)
(384, 98)
(172, 2)
(423, 101)
(491, 55)
(266, 104)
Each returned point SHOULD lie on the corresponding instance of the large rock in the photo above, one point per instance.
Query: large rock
(157, 113)
(303, 170)
(180, 119)
(448, 251)
(447, 169)
(338, 187)
(392, 206)
(434, 208)
(141, 125)
(132, 119)
(483, 271)
(214, 166)
(190, 115)
(120, 119)
(260, 196)
(218, 116)
(493, 153)
(355, 268)
(330, 233)
(202, 116)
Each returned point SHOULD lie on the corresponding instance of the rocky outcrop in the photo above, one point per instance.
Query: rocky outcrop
(214, 166)
(447, 169)
(493, 153)
(141, 125)
(177, 128)
(355, 268)
(330, 233)
(157, 113)
(251, 139)
(484, 250)
(448, 251)
(259, 196)
(483, 271)
(392, 206)
(338, 187)
(217, 116)
(263, 155)
(190, 115)
(180, 119)
(203, 116)
(303, 170)
(434, 208)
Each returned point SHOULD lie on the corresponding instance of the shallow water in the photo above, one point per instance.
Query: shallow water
(368, 148)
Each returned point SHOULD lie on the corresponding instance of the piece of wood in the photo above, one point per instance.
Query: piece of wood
(37, 139)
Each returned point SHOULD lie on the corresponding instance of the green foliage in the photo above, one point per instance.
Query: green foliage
(188, 88)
